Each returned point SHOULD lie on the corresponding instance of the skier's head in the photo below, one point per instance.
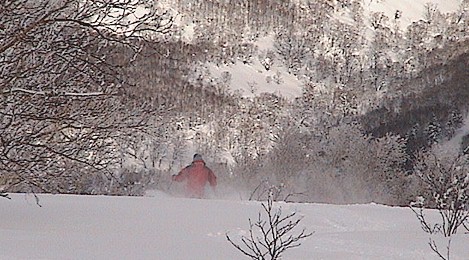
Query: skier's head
(197, 157)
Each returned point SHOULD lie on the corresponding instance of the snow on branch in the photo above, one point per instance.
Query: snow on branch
(47, 93)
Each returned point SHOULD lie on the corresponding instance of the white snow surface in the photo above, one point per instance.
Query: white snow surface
(252, 79)
(165, 227)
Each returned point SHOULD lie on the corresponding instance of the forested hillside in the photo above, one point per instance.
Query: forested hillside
(376, 95)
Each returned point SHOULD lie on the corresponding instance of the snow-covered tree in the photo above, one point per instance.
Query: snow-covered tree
(380, 61)
(433, 132)
(445, 187)
(63, 99)
(445, 183)
(292, 48)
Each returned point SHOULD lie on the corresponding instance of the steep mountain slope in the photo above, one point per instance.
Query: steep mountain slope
(442, 100)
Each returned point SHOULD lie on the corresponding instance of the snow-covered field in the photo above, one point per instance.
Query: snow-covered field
(164, 227)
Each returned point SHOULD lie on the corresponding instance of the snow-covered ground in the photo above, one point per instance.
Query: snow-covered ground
(164, 227)
(253, 79)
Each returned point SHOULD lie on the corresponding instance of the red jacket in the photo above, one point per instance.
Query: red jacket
(197, 176)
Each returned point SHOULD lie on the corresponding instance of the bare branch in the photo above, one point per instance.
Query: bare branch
(65, 99)
(48, 93)
(275, 234)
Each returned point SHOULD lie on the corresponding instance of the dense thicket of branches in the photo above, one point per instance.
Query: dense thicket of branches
(63, 101)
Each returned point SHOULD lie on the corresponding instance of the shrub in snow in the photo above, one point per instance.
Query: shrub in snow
(271, 235)
(445, 182)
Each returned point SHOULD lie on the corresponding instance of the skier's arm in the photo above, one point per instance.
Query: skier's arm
(180, 176)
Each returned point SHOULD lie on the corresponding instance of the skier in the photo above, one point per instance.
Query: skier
(197, 175)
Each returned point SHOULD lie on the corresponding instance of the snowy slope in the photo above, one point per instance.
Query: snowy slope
(163, 227)
(253, 79)
(411, 10)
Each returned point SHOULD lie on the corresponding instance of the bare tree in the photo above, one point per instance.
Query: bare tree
(292, 49)
(445, 182)
(63, 101)
(270, 238)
